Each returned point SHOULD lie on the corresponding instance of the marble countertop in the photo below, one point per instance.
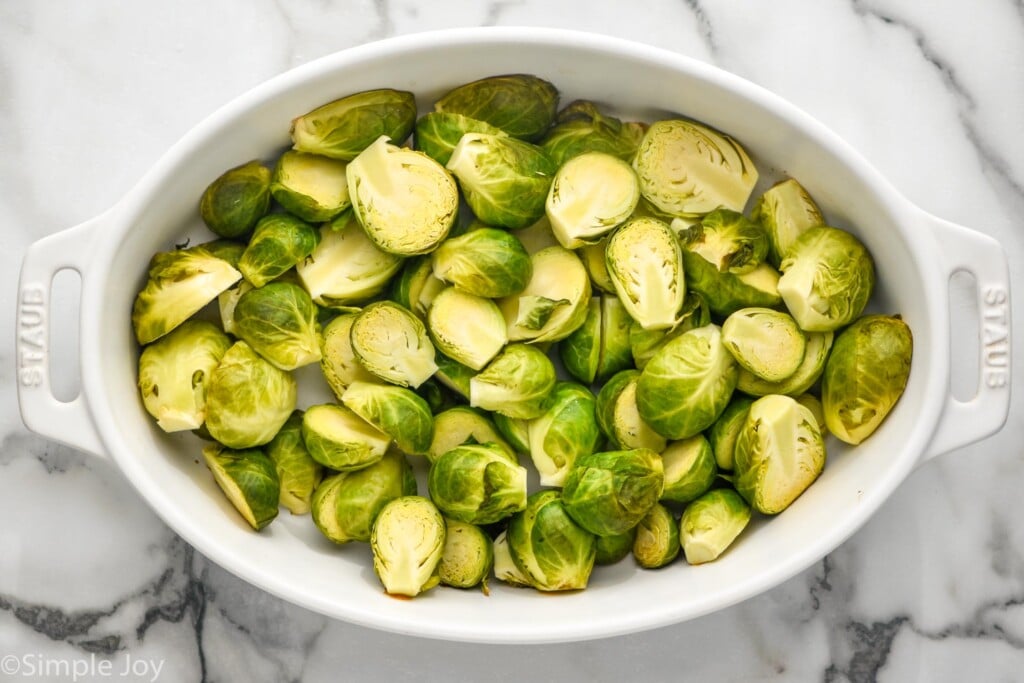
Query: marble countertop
(91, 94)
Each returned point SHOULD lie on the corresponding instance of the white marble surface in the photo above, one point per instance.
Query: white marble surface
(92, 93)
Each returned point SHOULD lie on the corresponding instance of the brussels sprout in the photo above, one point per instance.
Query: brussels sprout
(343, 128)
(567, 429)
(728, 240)
(687, 384)
(711, 523)
(248, 479)
(408, 540)
(581, 351)
(593, 258)
(396, 411)
(645, 263)
(687, 169)
(226, 303)
(505, 568)
(346, 504)
(779, 453)
(765, 342)
(278, 321)
(310, 186)
(865, 375)
(516, 431)
(463, 425)
(582, 128)
(179, 283)
(338, 361)
(786, 211)
(487, 262)
(174, 374)
(599, 347)
(827, 279)
(722, 435)
(405, 201)
(643, 344)
(657, 538)
(438, 132)
(515, 383)
(466, 327)
(393, 344)
(609, 493)
(232, 203)
(611, 549)
(619, 417)
(338, 438)
(416, 288)
(554, 302)
(813, 404)
(279, 243)
(690, 469)
(298, 473)
(453, 375)
(813, 364)
(591, 195)
(477, 484)
(346, 268)
(467, 558)
(521, 105)
(505, 181)
(727, 292)
(550, 550)
(247, 399)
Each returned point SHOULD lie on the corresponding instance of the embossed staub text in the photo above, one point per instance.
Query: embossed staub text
(32, 335)
(995, 335)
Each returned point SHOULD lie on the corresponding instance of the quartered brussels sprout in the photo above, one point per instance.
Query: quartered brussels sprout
(343, 128)
(779, 453)
(690, 469)
(278, 321)
(393, 344)
(346, 504)
(247, 399)
(453, 374)
(311, 186)
(865, 375)
(766, 343)
(505, 568)
(232, 203)
(582, 128)
(567, 429)
(611, 549)
(827, 279)
(405, 201)
(438, 132)
(722, 435)
(657, 538)
(591, 195)
(179, 284)
(728, 240)
(688, 169)
(396, 411)
(297, 471)
(609, 493)
(515, 383)
(645, 263)
(813, 364)
(599, 347)
(408, 541)
(711, 523)
(467, 328)
(505, 181)
(278, 244)
(487, 262)
(727, 292)
(786, 211)
(416, 287)
(521, 105)
(174, 374)
(468, 556)
(463, 425)
(619, 417)
(643, 344)
(477, 484)
(593, 258)
(554, 302)
(338, 361)
(687, 384)
(248, 479)
(338, 438)
(550, 550)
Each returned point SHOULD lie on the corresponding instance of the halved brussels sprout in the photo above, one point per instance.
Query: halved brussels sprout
(765, 342)
(231, 204)
(248, 479)
(278, 320)
(515, 383)
(690, 469)
(593, 258)
(463, 425)
(174, 374)
(179, 283)
(297, 471)
(591, 195)
(417, 287)
(619, 417)
(813, 364)
(866, 375)
(338, 438)
(728, 240)
(453, 375)
(438, 132)
(468, 556)
(827, 279)
(786, 211)
(393, 344)
(609, 493)
(567, 429)
(278, 244)
(311, 186)
(611, 549)
(405, 201)
(582, 128)
(467, 328)
(727, 292)
(396, 411)
(722, 435)
(247, 400)
(554, 302)
(643, 344)
(343, 128)
(645, 263)
(487, 262)
(687, 384)
(688, 169)
(550, 550)
(408, 541)
(711, 523)
(600, 347)
(505, 568)
(657, 538)
(779, 453)
(505, 181)
(338, 361)
(477, 484)
(519, 104)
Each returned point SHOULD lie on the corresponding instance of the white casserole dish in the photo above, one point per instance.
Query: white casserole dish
(916, 254)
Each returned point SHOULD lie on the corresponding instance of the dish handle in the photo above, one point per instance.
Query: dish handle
(964, 250)
(68, 422)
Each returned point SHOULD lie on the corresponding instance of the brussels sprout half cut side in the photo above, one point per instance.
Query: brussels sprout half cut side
(312, 187)
(408, 540)
(591, 195)
(463, 425)
(338, 438)
(645, 263)
(467, 328)
(554, 302)
(297, 471)
(467, 558)
(711, 523)
(657, 538)
(566, 430)
(765, 342)
(728, 240)
(786, 211)
(393, 344)
(690, 469)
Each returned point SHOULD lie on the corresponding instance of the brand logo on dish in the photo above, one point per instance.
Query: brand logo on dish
(32, 335)
(995, 337)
